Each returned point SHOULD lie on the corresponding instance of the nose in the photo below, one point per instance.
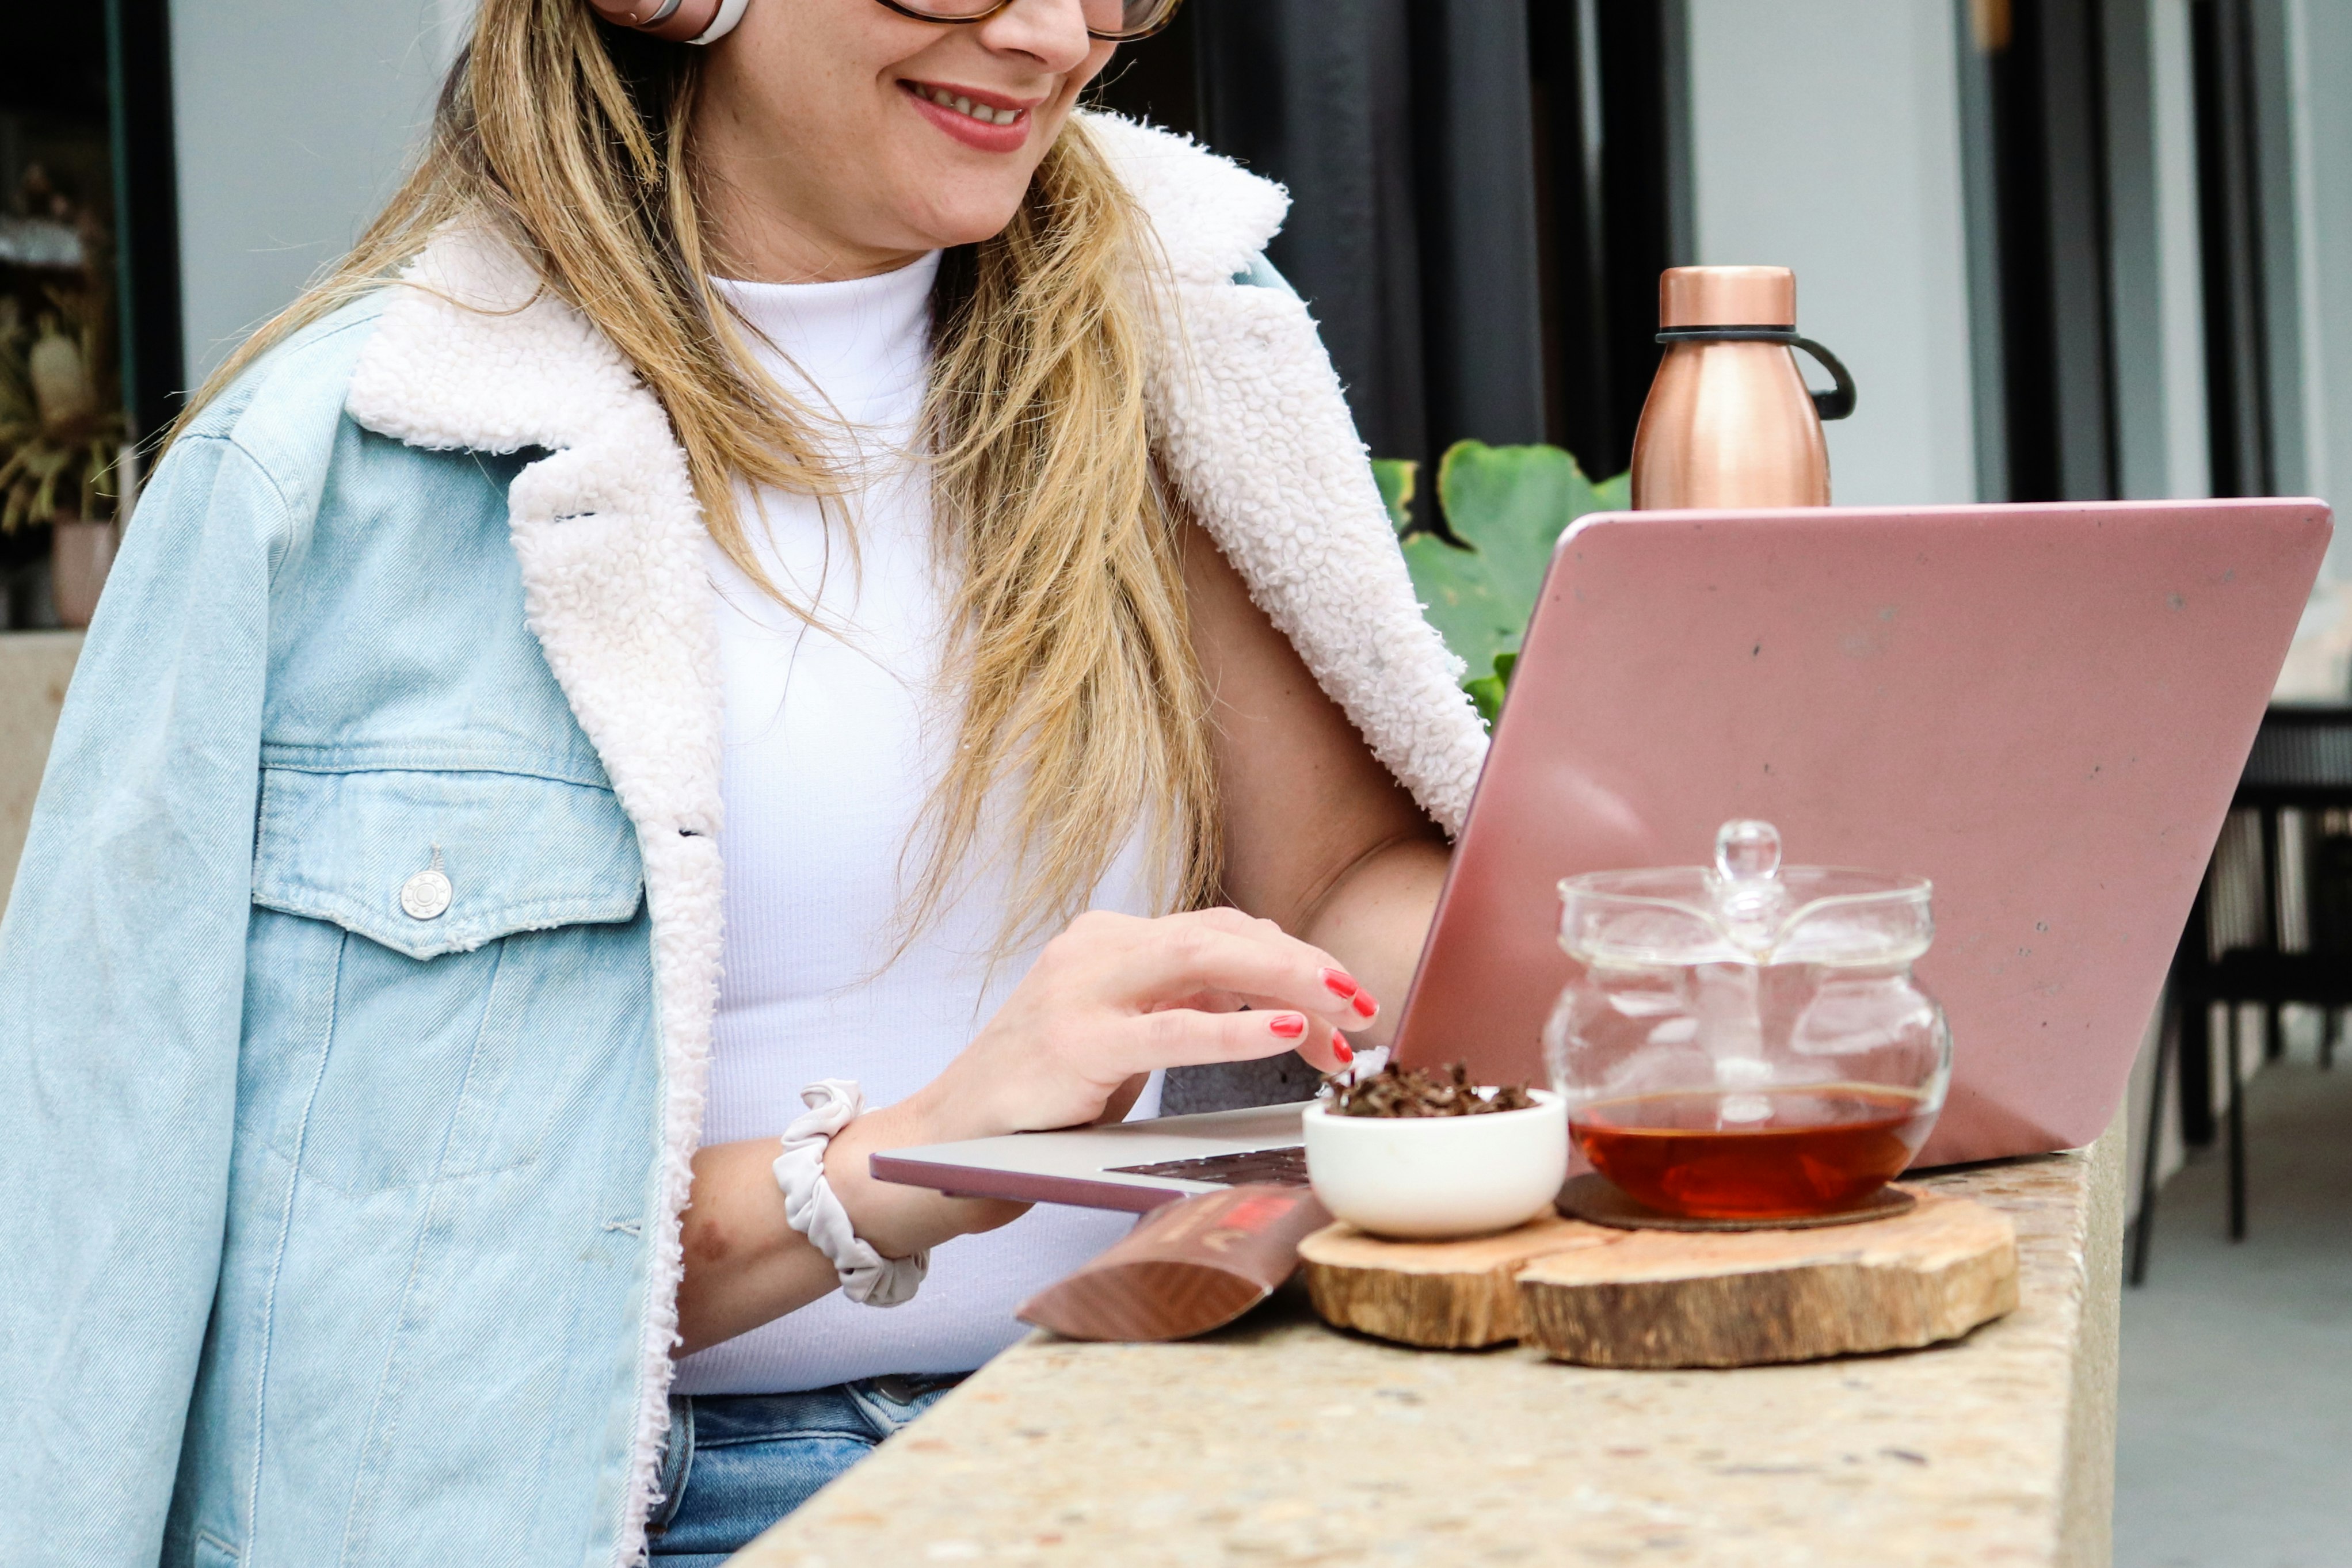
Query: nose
(1051, 32)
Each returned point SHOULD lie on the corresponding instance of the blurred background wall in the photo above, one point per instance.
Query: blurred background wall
(292, 120)
(1826, 137)
(2320, 56)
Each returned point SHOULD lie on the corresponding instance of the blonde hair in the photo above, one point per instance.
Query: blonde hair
(1070, 638)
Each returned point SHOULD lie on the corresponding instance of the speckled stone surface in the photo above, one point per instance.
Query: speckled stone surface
(1282, 1441)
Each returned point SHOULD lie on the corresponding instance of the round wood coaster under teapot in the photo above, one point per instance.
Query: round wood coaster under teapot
(1603, 1296)
(1597, 1199)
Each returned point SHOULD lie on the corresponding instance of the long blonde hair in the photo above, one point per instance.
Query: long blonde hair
(1070, 635)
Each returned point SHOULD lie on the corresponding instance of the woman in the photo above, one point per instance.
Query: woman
(825, 434)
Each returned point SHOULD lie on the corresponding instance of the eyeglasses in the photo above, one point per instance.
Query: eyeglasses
(1113, 21)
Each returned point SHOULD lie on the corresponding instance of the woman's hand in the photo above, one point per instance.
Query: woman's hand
(1108, 1001)
(1114, 998)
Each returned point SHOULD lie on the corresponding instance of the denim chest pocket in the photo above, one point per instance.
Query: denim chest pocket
(446, 931)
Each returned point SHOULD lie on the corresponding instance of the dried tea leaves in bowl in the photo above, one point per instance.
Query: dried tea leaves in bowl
(1396, 1091)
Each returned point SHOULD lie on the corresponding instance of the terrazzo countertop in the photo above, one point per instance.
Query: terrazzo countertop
(1282, 1441)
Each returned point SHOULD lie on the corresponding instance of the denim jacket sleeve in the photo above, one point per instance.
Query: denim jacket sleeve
(121, 986)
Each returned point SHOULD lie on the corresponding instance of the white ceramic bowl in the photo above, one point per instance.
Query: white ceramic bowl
(1427, 1177)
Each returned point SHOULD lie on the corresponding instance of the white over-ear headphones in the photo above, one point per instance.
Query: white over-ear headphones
(680, 21)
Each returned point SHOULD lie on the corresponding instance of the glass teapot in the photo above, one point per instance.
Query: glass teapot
(1745, 1041)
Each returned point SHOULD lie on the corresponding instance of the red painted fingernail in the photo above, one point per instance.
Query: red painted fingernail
(1341, 1048)
(1288, 1026)
(1341, 982)
(1364, 1005)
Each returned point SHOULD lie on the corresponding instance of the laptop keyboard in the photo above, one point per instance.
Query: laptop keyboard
(1273, 1167)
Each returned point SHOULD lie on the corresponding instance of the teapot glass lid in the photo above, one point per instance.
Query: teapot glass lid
(1746, 908)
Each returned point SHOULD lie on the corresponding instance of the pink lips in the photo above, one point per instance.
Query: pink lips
(964, 126)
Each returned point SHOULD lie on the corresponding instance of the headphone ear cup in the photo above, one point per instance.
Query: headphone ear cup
(630, 12)
(729, 13)
(679, 21)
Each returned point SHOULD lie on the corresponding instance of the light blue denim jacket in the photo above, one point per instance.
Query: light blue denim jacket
(341, 1231)
(327, 1234)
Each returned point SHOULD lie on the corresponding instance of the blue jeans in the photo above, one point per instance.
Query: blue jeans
(739, 1462)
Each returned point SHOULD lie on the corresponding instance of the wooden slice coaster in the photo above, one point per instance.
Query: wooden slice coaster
(1603, 1202)
(1663, 1299)
(1441, 1295)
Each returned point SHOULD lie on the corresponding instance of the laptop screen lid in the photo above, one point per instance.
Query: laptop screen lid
(2044, 709)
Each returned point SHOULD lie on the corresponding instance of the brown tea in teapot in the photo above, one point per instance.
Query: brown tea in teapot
(1774, 1154)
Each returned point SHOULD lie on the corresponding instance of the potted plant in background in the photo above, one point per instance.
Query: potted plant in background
(61, 451)
(1478, 565)
(63, 436)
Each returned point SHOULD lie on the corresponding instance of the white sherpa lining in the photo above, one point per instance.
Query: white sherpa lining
(1254, 433)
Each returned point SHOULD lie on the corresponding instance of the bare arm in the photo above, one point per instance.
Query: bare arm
(1319, 837)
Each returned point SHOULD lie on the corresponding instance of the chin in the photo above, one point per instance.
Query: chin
(969, 223)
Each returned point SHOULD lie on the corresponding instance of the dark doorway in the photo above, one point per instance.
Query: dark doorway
(2034, 112)
(147, 205)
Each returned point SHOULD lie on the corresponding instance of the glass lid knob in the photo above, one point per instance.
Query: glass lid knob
(1748, 851)
(1748, 898)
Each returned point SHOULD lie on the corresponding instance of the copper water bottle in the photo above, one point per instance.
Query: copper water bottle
(1730, 422)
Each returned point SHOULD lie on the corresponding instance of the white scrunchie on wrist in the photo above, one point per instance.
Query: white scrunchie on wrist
(811, 1208)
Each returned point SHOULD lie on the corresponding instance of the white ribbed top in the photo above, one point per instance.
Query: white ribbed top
(836, 735)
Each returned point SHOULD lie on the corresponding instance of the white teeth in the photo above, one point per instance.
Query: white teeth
(964, 106)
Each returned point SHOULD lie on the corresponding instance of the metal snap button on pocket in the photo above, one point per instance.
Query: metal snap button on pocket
(425, 895)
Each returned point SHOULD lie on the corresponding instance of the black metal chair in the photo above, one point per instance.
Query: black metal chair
(2301, 762)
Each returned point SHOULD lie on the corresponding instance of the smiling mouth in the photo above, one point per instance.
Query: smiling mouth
(983, 113)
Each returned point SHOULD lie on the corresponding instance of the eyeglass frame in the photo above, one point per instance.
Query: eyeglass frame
(910, 12)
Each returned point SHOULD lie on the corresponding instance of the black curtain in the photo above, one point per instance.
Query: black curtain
(1402, 128)
(1484, 191)
(1404, 132)
(1613, 210)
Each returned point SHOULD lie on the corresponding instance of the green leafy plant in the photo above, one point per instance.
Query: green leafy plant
(60, 440)
(1399, 479)
(62, 426)
(1504, 508)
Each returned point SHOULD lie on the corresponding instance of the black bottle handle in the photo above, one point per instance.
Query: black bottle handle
(1834, 404)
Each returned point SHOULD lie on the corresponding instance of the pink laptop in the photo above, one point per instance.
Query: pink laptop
(2044, 709)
